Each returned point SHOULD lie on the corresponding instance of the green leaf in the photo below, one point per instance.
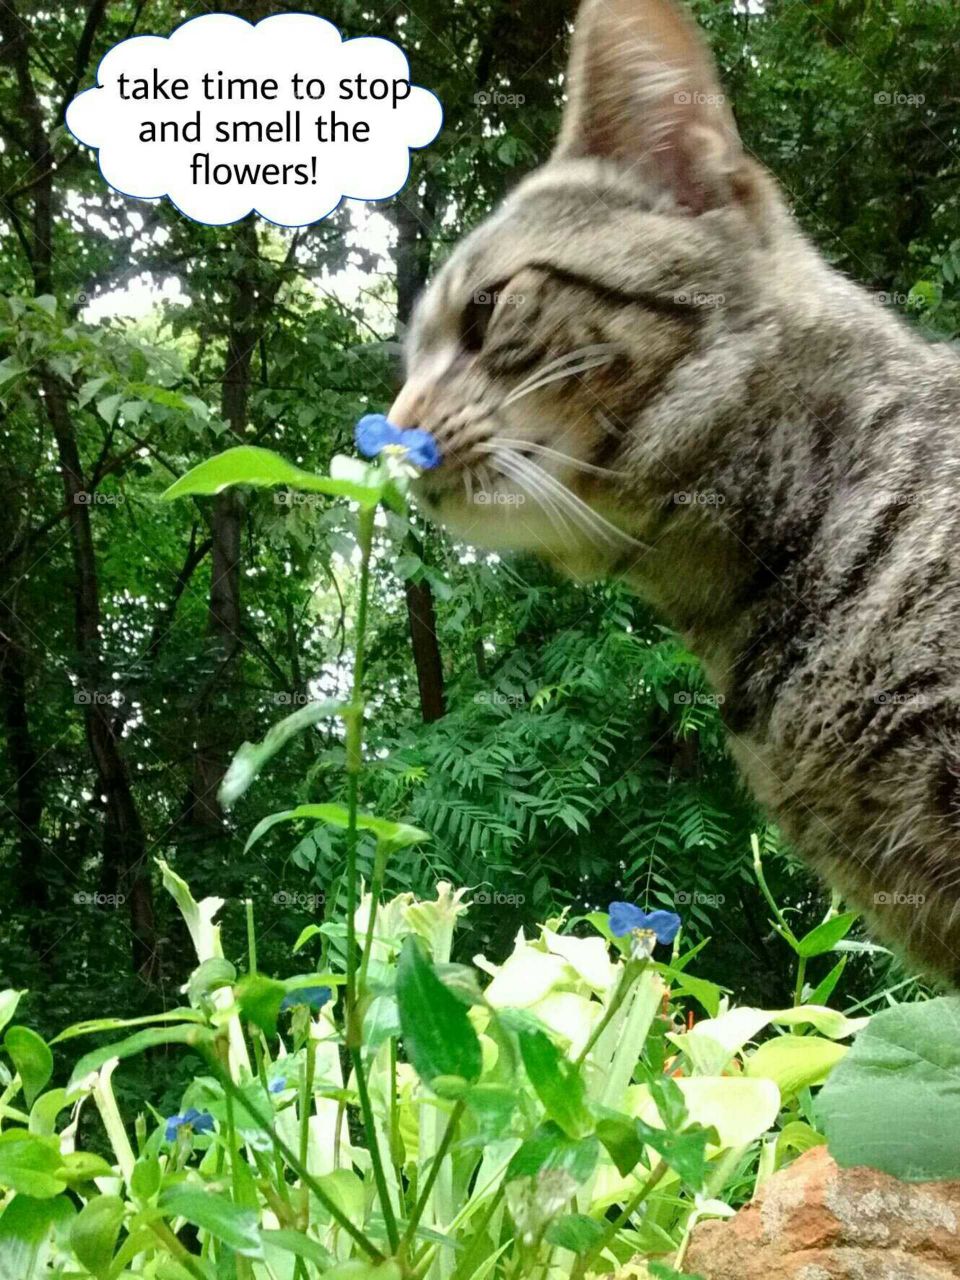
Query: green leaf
(93, 1025)
(795, 1062)
(437, 1033)
(707, 994)
(210, 976)
(684, 1152)
(894, 1101)
(9, 1000)
(44, 1112)
(251, 757)
(826, 936)
(620, 1137)
(662, 1271)
(83, 1166)
(10, 368)
(108, 406)
(397, 834)
(548, 1147)
(259, 998)
(93, 1235)
(297, 1243)
(27, 1227)
(30, 1164)
(247, 464)
(89, 390)
(575, 1232)
(826, 987)
(145, 1179)
(216, 1213)
(93, 1061)
(32, 1058)
(557, 1082)
(795, 1138)
(306, 934)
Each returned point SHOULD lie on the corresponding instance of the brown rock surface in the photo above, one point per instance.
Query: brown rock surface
(815, 1221)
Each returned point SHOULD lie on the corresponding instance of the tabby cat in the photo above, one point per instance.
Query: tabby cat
(640, 368)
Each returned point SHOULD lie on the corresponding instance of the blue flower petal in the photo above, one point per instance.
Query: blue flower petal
(665, 924)
(373, 432)
(312, 997)
(172, 1124)
(278, 1085)
(203, 1123)
(421, 448)
(624, 916)
(198, 1121)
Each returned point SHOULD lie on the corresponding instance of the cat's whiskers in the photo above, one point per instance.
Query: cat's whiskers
(543, 500)
(540, 484)
(569, 366)
(536, 447)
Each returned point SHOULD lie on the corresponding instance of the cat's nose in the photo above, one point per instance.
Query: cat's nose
(407, 409)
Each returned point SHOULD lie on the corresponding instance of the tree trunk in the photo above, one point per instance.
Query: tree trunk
(413, 265)
(124, 848)
(32, 890)
(215, 737)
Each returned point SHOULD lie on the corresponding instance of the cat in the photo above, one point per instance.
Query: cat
(639, 367)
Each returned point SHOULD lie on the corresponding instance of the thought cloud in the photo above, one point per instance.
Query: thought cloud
(283, 117)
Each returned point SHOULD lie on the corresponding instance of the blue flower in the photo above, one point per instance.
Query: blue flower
(625, 918)
(374, 433)
(197, 1121)
(278, 1085)
(312, 997)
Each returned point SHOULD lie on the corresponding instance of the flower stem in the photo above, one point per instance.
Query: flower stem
(631, 971)
(620, 1221)
(354, 752)
(431, 1177)
(367, 1245)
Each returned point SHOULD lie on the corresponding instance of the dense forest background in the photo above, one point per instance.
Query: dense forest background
(556, 739)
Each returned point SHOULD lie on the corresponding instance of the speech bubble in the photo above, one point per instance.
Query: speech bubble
(284, 117)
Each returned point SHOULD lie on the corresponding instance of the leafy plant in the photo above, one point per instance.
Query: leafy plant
(389, 1113)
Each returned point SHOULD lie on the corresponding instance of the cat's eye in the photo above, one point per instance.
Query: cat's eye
(475, 320)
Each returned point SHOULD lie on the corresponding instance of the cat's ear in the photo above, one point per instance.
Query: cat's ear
(643, 90)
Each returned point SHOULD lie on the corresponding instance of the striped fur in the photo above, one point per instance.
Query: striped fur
(768, 455)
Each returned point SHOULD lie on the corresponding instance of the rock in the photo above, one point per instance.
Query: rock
(815, 1221)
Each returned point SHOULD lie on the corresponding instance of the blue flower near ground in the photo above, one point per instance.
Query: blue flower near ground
(625, 918)
(312, 997)
(374, 433)
(278, 1085)
(197, 1121)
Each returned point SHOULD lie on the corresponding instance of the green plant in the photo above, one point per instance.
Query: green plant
(387, 1113)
